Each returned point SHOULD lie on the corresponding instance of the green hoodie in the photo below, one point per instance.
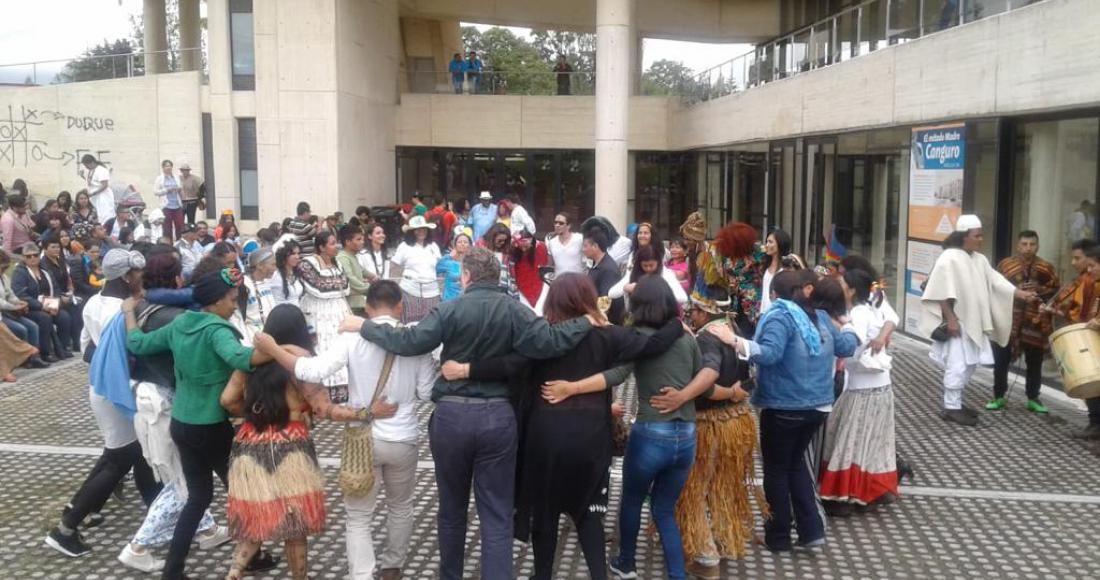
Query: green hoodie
(207, 349)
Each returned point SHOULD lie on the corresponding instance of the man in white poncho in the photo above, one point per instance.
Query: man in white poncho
(971, 304)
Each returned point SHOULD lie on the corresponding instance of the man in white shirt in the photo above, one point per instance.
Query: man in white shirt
(565, 247)
(394, 427)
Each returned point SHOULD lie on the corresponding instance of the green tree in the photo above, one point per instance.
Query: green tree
(579, 49)
(667, 77)
(512, 65)
(106, 60)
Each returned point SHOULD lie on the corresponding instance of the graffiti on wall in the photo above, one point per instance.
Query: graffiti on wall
(23, 140)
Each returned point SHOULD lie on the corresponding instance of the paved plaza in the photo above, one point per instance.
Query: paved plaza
(1017, 497)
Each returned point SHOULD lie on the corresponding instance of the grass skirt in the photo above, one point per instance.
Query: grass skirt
(719, 486)
(276, 488)
(859, 463)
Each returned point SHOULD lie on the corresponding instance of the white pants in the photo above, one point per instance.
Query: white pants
(959, 357)
(394, 468)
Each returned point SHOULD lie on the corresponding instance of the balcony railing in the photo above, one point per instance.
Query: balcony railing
(94, 68)
(495, 82)
(853, 32)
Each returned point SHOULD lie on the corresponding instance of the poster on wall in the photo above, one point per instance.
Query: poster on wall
(919, 259)
(937, 162)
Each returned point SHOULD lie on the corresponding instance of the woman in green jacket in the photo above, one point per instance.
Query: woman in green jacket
(207, 349)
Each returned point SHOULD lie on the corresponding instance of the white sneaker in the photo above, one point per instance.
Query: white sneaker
(213, 537)
(144, 562)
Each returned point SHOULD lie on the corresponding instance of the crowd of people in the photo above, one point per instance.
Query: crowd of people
(214, 354)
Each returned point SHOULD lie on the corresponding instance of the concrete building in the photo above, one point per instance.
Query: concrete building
(348, 102)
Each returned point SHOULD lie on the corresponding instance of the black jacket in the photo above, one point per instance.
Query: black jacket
(27, 288)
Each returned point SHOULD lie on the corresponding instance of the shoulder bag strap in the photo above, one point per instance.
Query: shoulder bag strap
(383, 378)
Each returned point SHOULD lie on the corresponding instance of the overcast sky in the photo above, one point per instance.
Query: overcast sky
(40, 30)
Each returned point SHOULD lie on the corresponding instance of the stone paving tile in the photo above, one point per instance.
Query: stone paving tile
(919, 537)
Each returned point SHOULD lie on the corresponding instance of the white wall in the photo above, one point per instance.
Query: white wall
(131, 124)
(1038, 58)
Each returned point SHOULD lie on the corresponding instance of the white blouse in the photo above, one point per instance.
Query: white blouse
(377, 263)
(618, 290)
(418, 277)
(292, 295)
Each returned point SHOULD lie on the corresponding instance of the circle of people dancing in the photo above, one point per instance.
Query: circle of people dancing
(544, 360)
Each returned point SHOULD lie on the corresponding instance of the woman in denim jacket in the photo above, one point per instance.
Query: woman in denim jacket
(795, 350)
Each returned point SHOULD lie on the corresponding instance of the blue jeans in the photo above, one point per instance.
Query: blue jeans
(475, 443)
(658, 460)
(23, 328)
(784, 437)
(457, 81)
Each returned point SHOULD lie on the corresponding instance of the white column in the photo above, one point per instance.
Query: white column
(614, 45)
(156, 38)
(190, 35)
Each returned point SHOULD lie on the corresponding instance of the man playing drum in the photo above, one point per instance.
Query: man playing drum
(1080, 302)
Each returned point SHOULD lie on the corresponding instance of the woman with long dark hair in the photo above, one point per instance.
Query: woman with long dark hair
(498, 240)
(276, 488)
(566, 440)
(647, 260)
(795, 350)
(374, 258)
(859, 461)
(777, 257)
(83, 211)
(325, 303)
(284, 284)
(528, 256)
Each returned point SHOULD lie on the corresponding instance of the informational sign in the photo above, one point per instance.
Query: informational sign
(937, 163)
(919, 259)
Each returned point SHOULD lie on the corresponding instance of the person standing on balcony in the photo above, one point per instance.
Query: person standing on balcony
(473, 71)
(457, 69)
(564, 74)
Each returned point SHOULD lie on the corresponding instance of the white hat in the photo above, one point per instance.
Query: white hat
(485, 195)
(967, 222)
(417, 222)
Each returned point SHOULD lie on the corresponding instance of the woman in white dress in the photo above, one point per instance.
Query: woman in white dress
(373, 258)
(647, 261)
(418, 257)
(99, 187)
(777, 257)
(284, 283)
(325, 303)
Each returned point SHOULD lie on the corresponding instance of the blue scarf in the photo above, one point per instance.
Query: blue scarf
(806, 328)
(110, 372)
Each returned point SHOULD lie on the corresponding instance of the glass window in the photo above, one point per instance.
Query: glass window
(978, 9)
(664, 185)
(247, 164)
(872, 26)
(980, 190)
(940, 15)
(1054, 187)
(904, 20)
(242, 47)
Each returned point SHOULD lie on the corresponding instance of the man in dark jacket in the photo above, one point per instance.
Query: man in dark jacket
(473, 430)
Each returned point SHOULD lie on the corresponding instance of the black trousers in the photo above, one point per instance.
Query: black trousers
(46, 332)
(590, 537)
(204, 451)
(112, 466)
(189, 209)
(1033, 360)
(1094, 410)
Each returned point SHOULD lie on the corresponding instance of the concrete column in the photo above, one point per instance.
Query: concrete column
(614, 45)
(156, 38)
(190, 35)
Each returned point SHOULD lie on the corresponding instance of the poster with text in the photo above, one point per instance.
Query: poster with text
(937, 164)
(919, 259)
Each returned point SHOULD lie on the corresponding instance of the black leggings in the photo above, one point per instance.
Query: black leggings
(589, 535)
(204, 451)
(112, 466)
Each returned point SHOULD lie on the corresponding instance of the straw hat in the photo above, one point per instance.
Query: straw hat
(708, 304)
(694, 227)
(417, 222)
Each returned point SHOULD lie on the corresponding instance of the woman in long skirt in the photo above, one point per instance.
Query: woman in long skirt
(276, 488)
(324, 302)
(859, 462)
(418, 257)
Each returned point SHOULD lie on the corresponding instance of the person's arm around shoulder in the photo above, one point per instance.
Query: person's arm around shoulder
(845, 340)
(402, 341)
(770, 343)
(224, 343)
(232, 398)
(144, 343)
(619, 289)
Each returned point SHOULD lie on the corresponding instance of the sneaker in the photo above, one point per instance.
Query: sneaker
(970, 411)
(996, 404)
(1035, 406)
(1090, 433)
(72, 545)
(838, 509)
(960, 417)
(811, 543)
(213, 537)
(144, 562)
(699, 570)
(621, 569)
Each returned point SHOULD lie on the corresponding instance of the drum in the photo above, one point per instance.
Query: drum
(1077, 350)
